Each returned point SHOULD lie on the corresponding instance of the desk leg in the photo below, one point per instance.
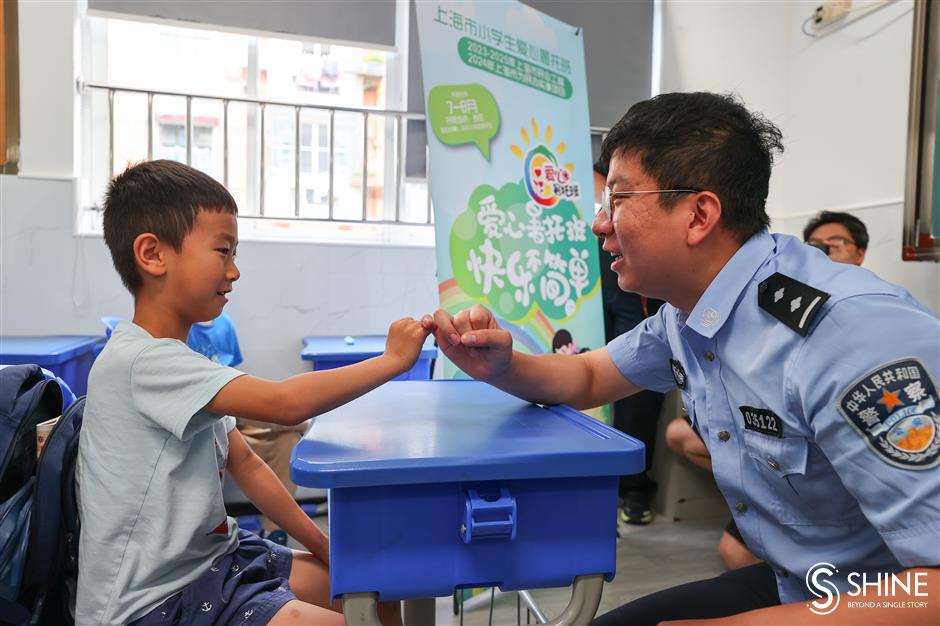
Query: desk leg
(361, 609)
(585, 598)
(420, 612)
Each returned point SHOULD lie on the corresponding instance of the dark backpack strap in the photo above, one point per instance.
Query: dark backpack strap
(54, 476)
(15, 381)
(26, 399)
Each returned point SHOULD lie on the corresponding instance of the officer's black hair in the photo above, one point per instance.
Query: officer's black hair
(703, 141)
(852, 224)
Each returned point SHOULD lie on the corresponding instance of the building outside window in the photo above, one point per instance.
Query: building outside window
(157, 56)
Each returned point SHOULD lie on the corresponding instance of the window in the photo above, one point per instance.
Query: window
(255, 112)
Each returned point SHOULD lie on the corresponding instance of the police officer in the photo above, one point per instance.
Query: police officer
(812, 383)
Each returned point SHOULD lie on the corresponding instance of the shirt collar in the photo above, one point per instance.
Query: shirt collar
(714, 307)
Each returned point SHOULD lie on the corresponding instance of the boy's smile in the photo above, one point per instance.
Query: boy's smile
(204, 269)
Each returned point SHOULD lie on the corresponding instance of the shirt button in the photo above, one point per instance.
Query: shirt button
(772, 462)
(740, 507)
(709, 356)
(724, 435)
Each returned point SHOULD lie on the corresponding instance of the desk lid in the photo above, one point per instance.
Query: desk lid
(365, 347)
(46, 349)
(445, 431)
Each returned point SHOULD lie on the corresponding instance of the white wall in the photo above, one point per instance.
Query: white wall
(54, 283)
(841, 101)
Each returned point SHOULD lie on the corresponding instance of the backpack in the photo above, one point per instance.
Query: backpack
(38, 514)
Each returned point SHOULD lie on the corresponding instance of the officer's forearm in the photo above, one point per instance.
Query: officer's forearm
(543, 378)
(582, 380)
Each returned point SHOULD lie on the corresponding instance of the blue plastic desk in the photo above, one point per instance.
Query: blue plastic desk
(332, 352)
(440, 485)
(68, 356)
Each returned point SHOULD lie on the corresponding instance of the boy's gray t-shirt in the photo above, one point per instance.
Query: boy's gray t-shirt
(149, 473)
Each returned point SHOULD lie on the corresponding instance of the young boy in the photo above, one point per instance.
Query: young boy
(156, 545)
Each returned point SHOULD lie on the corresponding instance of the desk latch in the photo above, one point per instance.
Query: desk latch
(490, 515)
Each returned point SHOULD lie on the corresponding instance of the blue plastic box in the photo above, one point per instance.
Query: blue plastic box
(68, 356)
(331, 352)
(440, 485)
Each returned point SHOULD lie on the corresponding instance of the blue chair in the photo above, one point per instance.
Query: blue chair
(110, 323)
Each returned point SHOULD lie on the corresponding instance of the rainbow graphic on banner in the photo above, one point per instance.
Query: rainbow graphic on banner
(535, 337)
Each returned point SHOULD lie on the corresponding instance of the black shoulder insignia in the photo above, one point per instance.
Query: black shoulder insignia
(794, 303)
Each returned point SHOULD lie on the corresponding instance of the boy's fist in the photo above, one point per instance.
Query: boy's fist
(405, 340)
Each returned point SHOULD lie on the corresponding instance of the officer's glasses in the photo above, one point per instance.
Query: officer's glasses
(610, 197)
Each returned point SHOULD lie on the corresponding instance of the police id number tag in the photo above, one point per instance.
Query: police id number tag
(762, 421)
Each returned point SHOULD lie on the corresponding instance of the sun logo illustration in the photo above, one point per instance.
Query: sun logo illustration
(545, 180)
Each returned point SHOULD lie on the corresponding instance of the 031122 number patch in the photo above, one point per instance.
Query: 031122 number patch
(762, 420)
(894, 407)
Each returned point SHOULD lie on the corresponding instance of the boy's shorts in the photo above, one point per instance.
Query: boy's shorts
(247, 586)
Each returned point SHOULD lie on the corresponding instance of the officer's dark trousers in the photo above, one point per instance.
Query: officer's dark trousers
(733, 592)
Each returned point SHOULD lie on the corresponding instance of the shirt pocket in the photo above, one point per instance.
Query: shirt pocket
(790, 493)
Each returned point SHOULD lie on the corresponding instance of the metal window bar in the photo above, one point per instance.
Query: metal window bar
(110, 132)
(398, 169)
(401, 119)
(365, 164)
(225, 143)
(332, 133)
(262, 113)
(296, 161)
(149, 126)
(189, 130)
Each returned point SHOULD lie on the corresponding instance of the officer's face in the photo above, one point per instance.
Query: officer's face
(646, 241)
(838, 239)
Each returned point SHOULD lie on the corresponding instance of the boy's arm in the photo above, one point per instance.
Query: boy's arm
(295, 399)
(261, 485)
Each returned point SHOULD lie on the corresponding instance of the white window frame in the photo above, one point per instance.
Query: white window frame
(330, 230)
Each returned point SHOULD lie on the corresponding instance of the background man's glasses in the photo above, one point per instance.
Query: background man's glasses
(609, 196)
(836, 242)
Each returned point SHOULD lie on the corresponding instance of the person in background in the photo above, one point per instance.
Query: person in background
(842, 236)
(635, 415)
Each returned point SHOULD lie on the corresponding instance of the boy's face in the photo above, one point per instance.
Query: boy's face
(203, 271)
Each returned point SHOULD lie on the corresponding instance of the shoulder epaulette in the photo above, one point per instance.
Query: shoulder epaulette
(794, 303)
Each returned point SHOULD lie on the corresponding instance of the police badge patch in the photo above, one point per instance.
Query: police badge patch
(895, 408)
(678, 372)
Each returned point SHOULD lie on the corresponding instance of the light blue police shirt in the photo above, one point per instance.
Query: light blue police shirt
(825, 446)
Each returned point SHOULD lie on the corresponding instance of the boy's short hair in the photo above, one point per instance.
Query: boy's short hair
(855, 226)
(160, 197)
